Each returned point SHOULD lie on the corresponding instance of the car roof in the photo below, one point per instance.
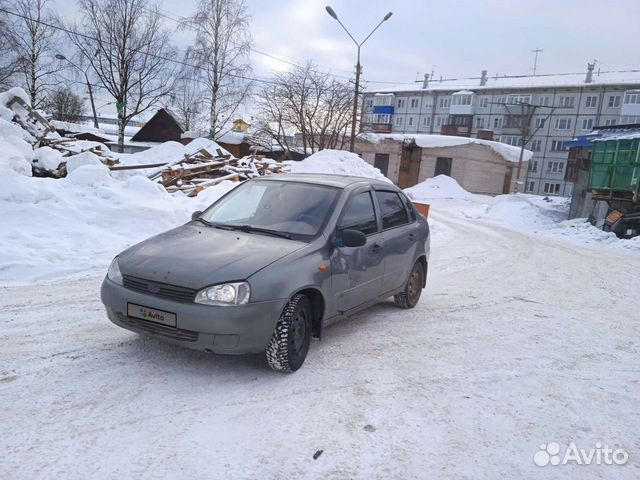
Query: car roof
(332, 180)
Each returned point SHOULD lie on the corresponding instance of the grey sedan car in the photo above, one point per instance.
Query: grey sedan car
(270, 264)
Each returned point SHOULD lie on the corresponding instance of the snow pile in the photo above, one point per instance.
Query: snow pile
(7, 127)
(53, 227)
(47, 158)
(508, 152)
(16, 155)
(337, 162)
(441, 186)
(527, 211)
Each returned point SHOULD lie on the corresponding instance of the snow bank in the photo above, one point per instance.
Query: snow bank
(47, 158)
(57, 227)
(16, 155)
(84, 158)
(337, 162)
(441, 186)
(508, 152)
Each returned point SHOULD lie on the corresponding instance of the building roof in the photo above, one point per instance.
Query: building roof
(508, 152)
(162, 127)
(519, 82)
(613, 133)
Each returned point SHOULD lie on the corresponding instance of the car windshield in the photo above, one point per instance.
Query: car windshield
(296, 209)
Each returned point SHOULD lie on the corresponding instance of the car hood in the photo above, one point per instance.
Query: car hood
(196, 256)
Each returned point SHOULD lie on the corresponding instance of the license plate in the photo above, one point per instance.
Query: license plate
(151, 314)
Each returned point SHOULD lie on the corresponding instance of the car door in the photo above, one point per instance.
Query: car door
(400, 233)
(357, 271)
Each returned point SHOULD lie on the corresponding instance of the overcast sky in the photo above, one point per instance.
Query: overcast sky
(454, 38)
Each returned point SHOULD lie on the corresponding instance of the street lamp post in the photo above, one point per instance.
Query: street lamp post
(333, 14)
(59, 56)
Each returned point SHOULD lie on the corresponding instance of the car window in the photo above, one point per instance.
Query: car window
(287, 207)
(410, 208)
(393, 211)
(360, 215)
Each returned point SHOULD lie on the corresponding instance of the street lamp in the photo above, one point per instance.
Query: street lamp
(61, 57)
(333, 14)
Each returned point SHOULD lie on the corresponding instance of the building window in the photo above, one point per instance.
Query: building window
(500, 101)
(557, 146)
(531, 186)
(614, 101)
(382, 118)
(444, 102)
(483, 102)
(631, 98)
(426, 121)
(563, 124)
(414, 103)
(609, 122)
(552, 188)
(479, 122)
(399, 121)
(400, 103)
(533, 165)
(536, 145)
(587, 124)
(566, 102)
(462, 99)
(440, 121)
(410, 122)
(368, 103)
(555, 167)
(513, 140)
(545, 101)
(591, 101)
(539, 122)
(517, 99)
(497, 122)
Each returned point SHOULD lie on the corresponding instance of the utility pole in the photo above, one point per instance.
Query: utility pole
(333, 14)
(61, 57)
(535, 60)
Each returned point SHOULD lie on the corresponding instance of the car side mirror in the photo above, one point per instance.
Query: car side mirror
(196, 214)
(351, 238)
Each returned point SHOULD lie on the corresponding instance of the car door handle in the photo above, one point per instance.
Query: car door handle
(412, 237)
(376, 248)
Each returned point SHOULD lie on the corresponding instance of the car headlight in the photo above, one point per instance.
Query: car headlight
(113, 273)
(225, 294)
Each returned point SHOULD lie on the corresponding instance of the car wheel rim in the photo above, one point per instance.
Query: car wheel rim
(414, 285)
(298, 330)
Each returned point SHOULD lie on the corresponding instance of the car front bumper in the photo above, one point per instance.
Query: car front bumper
(228, 330)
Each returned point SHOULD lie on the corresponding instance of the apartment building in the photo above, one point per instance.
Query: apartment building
(548, 109)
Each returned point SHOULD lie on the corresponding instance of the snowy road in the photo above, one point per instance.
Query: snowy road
(519, 341)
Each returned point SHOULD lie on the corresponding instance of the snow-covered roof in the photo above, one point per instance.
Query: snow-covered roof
(232, 138)
(463, 92)
(618, 136)
(508, 152)
(631, 77)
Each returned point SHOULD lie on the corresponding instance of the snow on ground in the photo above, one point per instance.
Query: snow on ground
(54, 227)
(441, 186)
(337, 162)
(519, 340)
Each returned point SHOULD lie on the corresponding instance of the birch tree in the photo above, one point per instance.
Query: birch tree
(128, 48)
(221, 51)
(33, 37)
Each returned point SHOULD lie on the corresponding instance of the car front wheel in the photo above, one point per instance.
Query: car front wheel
(291, 338)
(409, 297)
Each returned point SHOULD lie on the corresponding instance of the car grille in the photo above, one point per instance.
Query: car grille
(170, 292)
(169, 332)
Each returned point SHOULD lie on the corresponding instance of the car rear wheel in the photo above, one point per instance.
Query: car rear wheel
(409, 297)
(291, 338)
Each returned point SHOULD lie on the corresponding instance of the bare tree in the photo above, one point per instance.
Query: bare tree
(33, 36)
(9, 63)
(221, 51)
(311, 103)
(65, 105)
(129, 50)
(188, 101)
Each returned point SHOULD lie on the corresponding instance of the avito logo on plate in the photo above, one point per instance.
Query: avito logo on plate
(601, 454)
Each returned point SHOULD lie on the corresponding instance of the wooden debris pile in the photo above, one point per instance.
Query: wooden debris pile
(200, 170)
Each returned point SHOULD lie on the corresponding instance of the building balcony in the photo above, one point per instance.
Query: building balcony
(381, 127)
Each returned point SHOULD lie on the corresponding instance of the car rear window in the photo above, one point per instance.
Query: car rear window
(393, 210)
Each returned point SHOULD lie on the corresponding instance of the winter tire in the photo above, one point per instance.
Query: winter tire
(409, 297)
(291, 338)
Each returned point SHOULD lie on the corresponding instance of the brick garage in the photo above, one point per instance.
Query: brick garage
(479, 166)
